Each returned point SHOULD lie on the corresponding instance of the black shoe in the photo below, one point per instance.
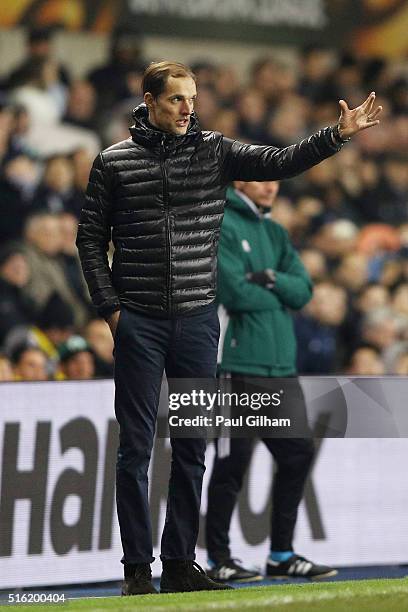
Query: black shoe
(140, 582)
(298, 567)
(230, 571)
(181, 576)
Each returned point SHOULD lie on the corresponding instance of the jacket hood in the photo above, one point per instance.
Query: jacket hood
(234, 202)
(145, 133)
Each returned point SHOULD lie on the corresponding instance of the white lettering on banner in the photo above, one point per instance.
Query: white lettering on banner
(306, 13)
(57, 511)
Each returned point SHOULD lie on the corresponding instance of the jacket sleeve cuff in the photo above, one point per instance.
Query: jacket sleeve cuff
(107, 310)
(333, 138)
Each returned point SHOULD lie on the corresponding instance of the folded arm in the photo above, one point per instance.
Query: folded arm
(235, 291)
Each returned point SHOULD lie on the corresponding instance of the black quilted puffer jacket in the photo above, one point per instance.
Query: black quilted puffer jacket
(161, 199)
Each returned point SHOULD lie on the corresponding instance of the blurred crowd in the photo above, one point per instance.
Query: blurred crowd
(348, 216)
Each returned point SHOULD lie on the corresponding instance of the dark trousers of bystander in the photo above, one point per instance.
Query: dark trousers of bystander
(145, 347)
(293, 458)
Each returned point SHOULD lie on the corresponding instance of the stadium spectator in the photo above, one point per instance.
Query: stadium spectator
(323, 182)
(393, 355)
(376, 239)
(44, 98)
(126, 62)
(207, 107)
(81, 105)
(399, 299)
(366, 361)
(6, 369)
(99, 337)
(76, 360)
(70, 259)
(53, 325)
(82, 163)
(30, 364)
(391, 271)
(226, 122)
(226, 86)
(273, 79)
(38, 48)
(43, 245)
(316, 64)
(288, 121)
(16, 308)
(17, 137)
(6, 126)
(56, 323)
(206, 73)
(335, 239)
(39, 92)
(17, 185)
(309, 212)
(381, 328)
(317, 329)
(346, 80)
(57, 192)
(252, 109)
(352, 272)
(284, 213)
(371, 297)
(387, 202)
(401, 366)
(315, 264)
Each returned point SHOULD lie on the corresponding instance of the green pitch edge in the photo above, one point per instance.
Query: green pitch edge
(348, 596)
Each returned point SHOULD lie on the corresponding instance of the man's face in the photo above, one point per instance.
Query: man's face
(15, 270)
(80, 366)
(171, 110)
(32, 365)
(263, 194)
(46, 235)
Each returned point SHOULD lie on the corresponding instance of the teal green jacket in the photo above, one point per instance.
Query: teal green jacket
(260, 338)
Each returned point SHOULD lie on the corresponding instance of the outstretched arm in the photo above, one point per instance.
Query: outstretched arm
(247, 162)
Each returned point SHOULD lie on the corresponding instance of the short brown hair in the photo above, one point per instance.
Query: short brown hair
(156, 75)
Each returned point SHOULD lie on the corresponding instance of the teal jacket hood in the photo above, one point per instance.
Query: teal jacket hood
(235, 202)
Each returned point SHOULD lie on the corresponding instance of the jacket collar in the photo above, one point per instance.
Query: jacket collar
(242, 204)
(143, 132)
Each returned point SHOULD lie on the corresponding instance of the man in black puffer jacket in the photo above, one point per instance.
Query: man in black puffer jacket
(160, 196)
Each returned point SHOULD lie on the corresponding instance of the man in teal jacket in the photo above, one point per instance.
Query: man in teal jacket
(260, 279)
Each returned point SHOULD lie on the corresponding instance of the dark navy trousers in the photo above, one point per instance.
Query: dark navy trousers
(145, 347)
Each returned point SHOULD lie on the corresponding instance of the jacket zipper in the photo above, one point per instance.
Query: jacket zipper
(167, 220)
